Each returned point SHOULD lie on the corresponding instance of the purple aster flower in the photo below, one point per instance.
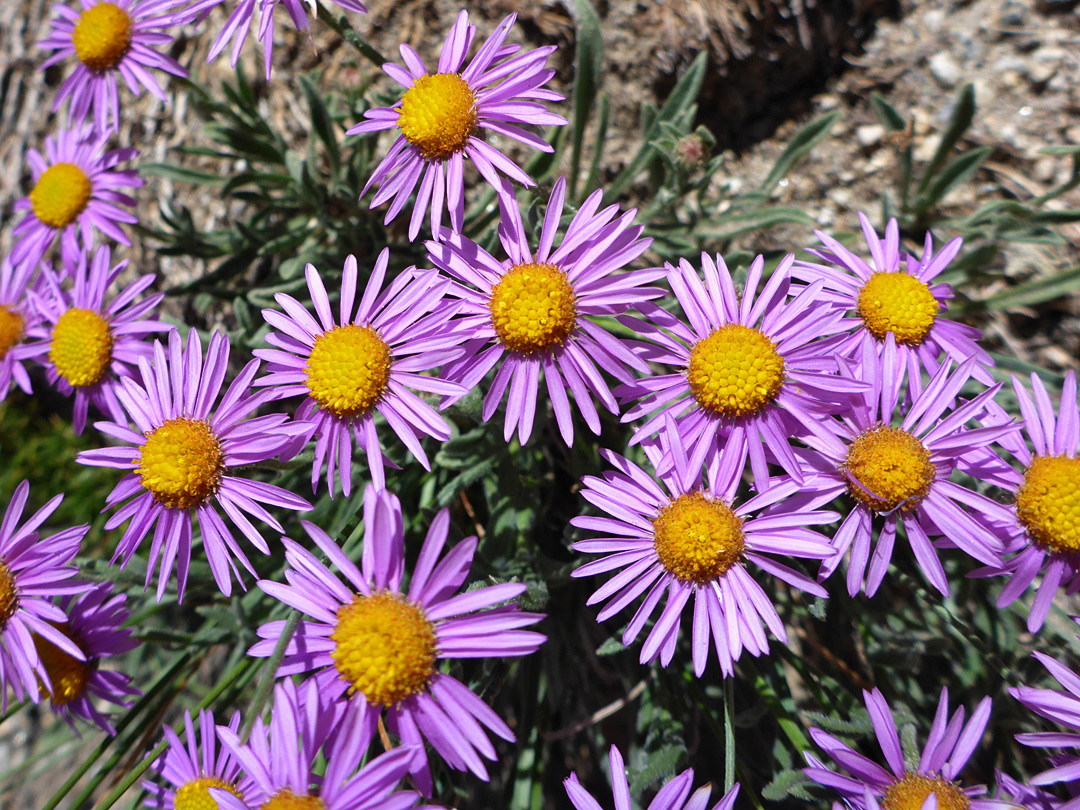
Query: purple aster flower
(33, 570)
(379, 645)
(537, 311)
(190, 774)
(1061, 707)
(442, 118)
(675, 795)
(94, 624)
(902, 474)
(1025, 797)
(888, 298)
(86, 346)
(17, 319)
(183, 450)
(243, 12)
(949, 746)
(690, 540)
(749, 376)
(280, 758)
(76, 192)
(1042, 524)
(110, 38)
(365, 364)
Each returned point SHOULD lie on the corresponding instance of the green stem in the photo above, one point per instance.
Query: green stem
(348, 33)
(135, 773)
(729, 734)
(144, 702)
(266, 685)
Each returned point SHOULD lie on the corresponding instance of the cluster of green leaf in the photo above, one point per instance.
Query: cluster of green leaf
(290, 204)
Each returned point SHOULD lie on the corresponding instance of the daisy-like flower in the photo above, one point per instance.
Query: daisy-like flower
(442, 118)
(379, 645)
(182, 452)
(689, 540)
(94, 624)
(893, 294)
(1025, 797)
(900, 474)
(280, 759)
(76, 192)
(675, 795)
(749, 376)
(110, 39)
(949, 746)
(86, 346)
(365, 364)
(1042, 525)
(1061, 707)
(33, 570)
(536, 310)
(17, 319)
(237, 26)
(186, 774)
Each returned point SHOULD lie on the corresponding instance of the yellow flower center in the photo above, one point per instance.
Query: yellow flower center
(81, 347)
(9, 596)
(910, 792)
(181, 463)
(67, 674)
(438, 115)
(532, 308)
(888, 468)
(11, 330)
(60, 194)
(1048, 502)
(285, 799)
(348, 370)
(735, 371)
(102, 36)
(698, 539)
(385, 647)
(195, 795)
(897, 303)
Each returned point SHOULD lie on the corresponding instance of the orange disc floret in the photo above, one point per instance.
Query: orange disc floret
(102, 36)
(532, 308)
(438, 115)
(385, 647)
(698, 539)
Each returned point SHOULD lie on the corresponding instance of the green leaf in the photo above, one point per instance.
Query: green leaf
(887, 113)
(659, 766)
(678, 103)
(602, 116)
(611, 646)
(730, 225)
(954, 174)
(589, 60)
(321, 122)
(1036, 291)
(181, 173)
(786, 783)
(805, 139)
(962, 115)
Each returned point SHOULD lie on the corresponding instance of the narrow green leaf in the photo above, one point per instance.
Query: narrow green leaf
(1036, 291)
(181, 173)
(887, 113)
(589, 59)
(953, 175)
(963, 113)
(805, 139)
(321, 122)
(676, 106)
